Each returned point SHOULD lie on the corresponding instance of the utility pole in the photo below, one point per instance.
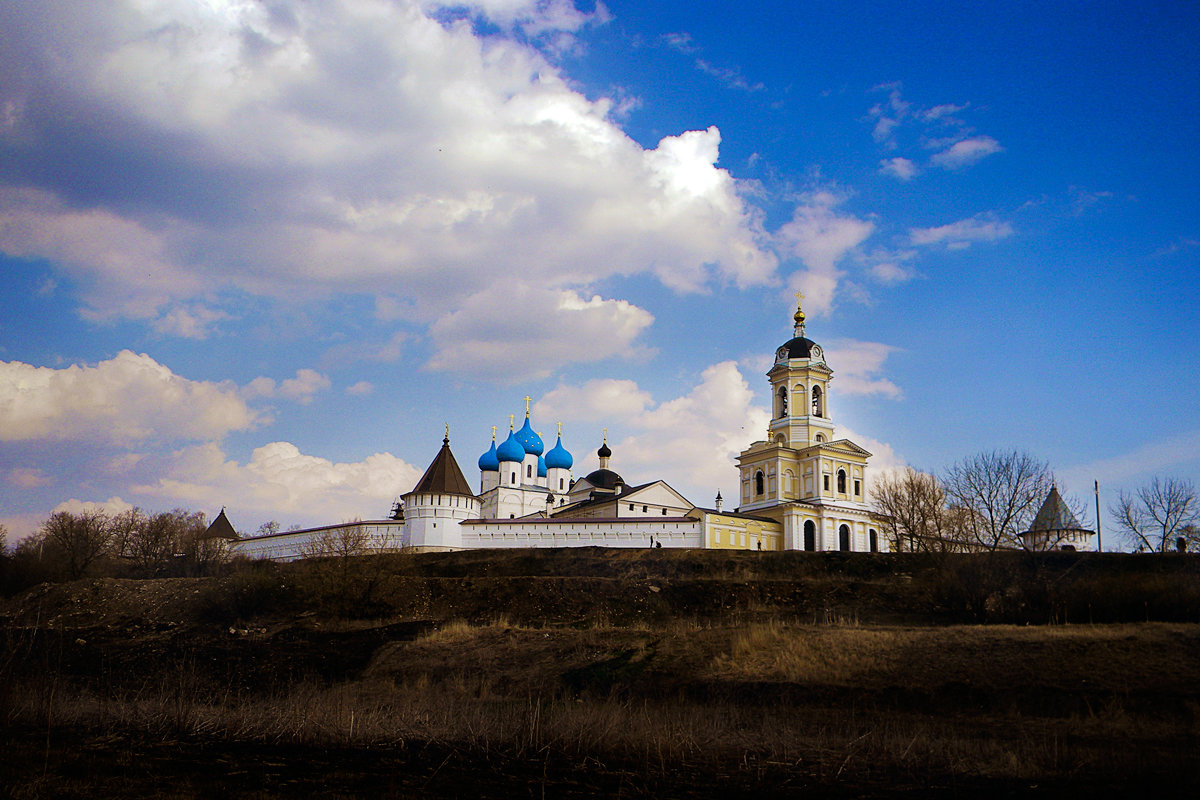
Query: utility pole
(1099, 539)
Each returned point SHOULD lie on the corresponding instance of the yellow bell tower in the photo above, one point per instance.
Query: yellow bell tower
(800, 474)
(800, 390)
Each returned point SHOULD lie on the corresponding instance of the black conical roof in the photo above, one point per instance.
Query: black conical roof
(221, 528)
(444, 475)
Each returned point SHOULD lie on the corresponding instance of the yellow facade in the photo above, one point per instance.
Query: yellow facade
(801, 473)
(732, 532)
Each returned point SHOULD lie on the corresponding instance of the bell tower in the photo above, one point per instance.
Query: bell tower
(800, 390)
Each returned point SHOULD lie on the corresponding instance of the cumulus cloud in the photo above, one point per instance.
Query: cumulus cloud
(361, 388)
(127, 399)
(962, 233)
(280, 481)
(821, 237)
(901, 168)
(595, 399)
(858, 366)
(547, 327)
(111, 506)
(294, 151)
(301, 388)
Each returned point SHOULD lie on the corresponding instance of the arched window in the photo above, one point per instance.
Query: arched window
(874, 540)
(759, 488)
(820, 438)
(781, 402)
(817, 406)
(844, 537)
(841, 481)
(810, 535)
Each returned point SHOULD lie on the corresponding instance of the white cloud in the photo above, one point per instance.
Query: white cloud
(301, 389)
(346, 146)
(691, 441)
(858, 364)
(901, 168)
(28, 478)
(595, 399)
(113, 505)
(1142, 462)
(966, 152)
(127, 399)
(280, 482)
(961, 233)
(519, 332)
(820, 237)
(189, 322)
(361, 388)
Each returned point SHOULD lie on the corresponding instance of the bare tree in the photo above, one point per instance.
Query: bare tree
(997, 494)
(77, 539)
(1156, 515)
(268, 528)
(124, 529)
(915, 505)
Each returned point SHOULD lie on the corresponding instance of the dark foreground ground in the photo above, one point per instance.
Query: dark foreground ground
(634, 674)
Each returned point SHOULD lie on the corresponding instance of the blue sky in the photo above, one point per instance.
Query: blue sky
(256, 255)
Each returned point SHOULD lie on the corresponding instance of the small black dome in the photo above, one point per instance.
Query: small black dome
(605, 479)
(604, 452)
(800, 347)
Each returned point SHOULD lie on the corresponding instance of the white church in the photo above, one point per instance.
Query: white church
(801, 488)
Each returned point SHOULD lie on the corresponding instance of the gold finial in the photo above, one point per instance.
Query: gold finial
(447, 439)
(799, 315)
(493, 433)
(527, 399)
(560, 430)
(511, 417)
(605, 431)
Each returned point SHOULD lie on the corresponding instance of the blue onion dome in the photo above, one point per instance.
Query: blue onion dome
(530, 440)
(489, 461)
(541, 467)
(511, 450)
(558, 457)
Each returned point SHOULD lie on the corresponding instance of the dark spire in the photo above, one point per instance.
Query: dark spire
(220, 528)
(444, 475)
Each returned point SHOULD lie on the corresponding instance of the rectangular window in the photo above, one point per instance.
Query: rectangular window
(631, 506)
(643, 509)
(857, 487)
(664, 512)
(827, 483)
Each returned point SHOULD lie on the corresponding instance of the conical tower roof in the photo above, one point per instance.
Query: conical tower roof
(220, 528)
(1054, 515)
(444, 475)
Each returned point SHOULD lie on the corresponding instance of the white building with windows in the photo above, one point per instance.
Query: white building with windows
(801, 488)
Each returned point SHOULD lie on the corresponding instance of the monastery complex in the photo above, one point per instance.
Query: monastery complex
(801, 488)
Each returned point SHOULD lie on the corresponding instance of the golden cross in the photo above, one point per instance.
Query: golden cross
(493, 433)
(560, 429)
(527, 399)
(511, 417)
(605, 435)
(799, 297)
(447, 430)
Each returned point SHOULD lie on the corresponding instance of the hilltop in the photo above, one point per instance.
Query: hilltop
(591, 670)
